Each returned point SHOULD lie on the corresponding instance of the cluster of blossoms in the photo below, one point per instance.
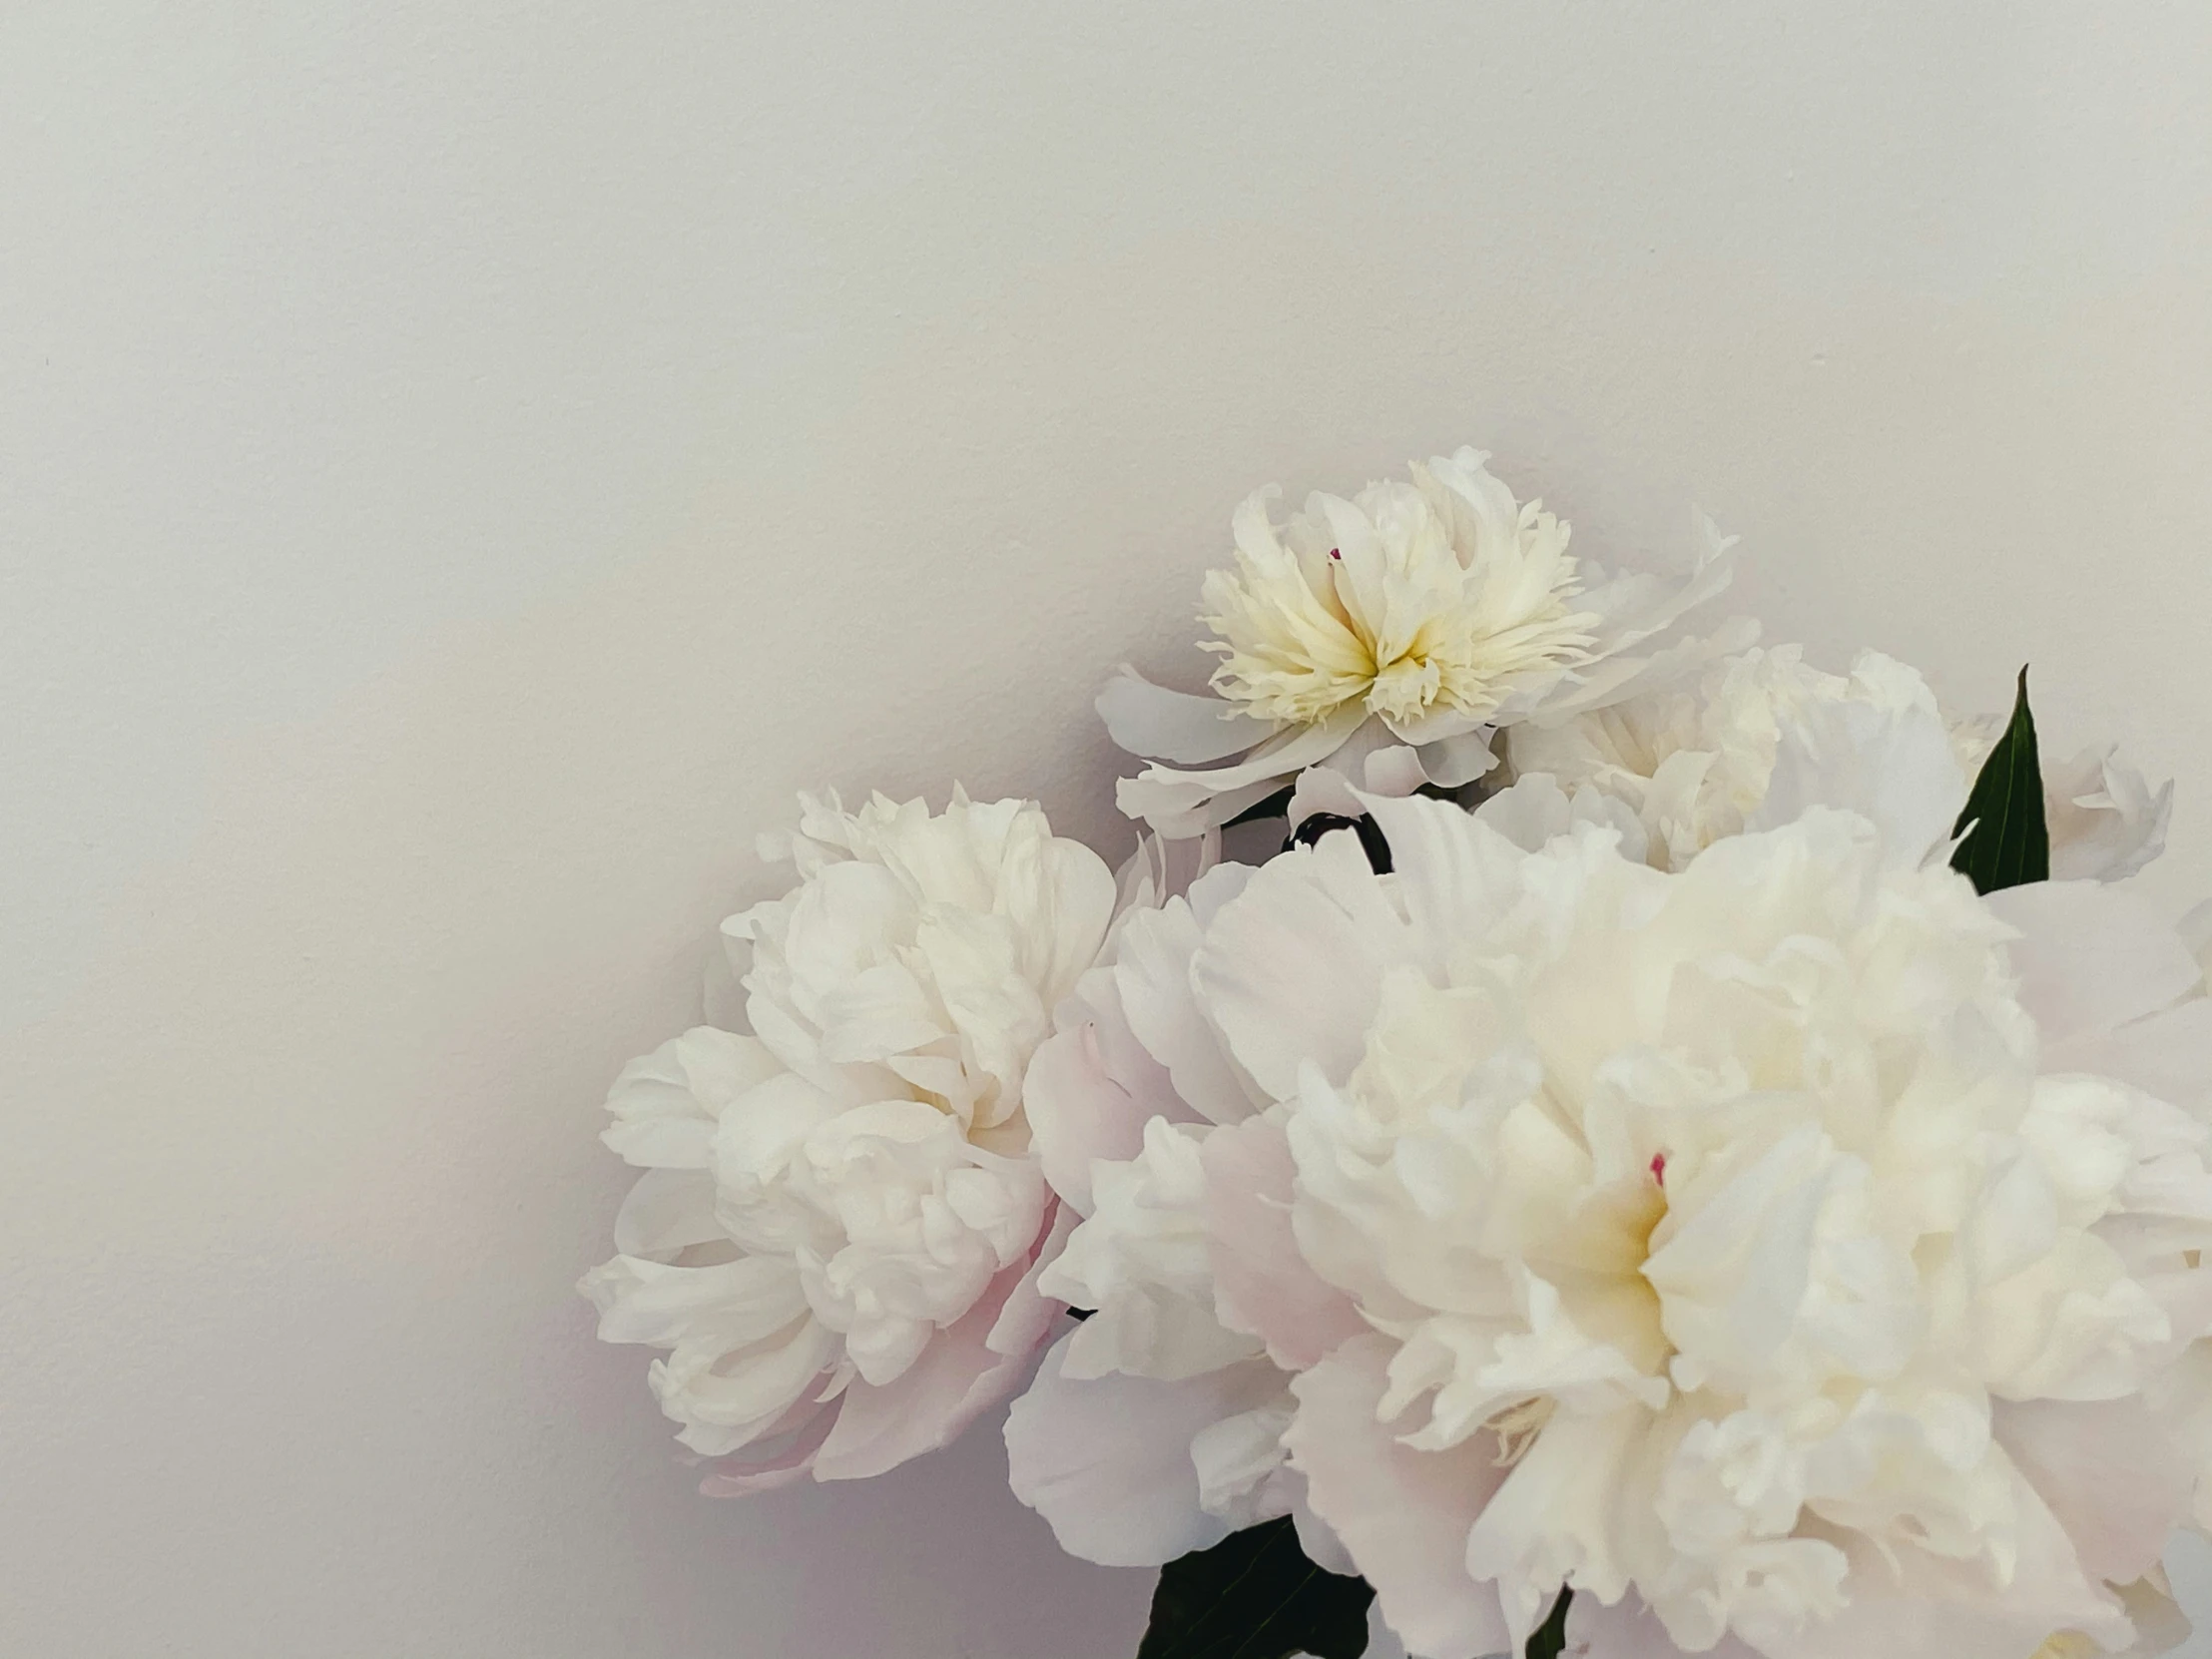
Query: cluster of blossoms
(1635, 1164)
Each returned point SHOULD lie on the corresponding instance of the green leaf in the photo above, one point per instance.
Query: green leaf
(1255, 1596)
(2007, 844)
(1545, 1641)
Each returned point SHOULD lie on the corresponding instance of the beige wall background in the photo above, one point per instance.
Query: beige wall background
(462, 467)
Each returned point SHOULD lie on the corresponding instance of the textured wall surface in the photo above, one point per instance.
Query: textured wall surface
(462, 467)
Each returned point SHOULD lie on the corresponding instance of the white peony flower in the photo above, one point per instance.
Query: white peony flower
(841, 1223)
(1697, 761)
(1414, 617)
(1792, 1253)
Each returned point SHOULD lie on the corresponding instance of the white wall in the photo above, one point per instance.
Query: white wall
(463, 466)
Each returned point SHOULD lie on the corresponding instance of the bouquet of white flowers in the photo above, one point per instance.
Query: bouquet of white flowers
(1568, 1134)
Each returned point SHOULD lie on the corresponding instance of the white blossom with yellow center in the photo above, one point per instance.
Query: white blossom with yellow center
(1387, 636)
(1440, 595)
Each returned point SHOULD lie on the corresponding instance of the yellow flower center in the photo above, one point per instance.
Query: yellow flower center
(1408, 613)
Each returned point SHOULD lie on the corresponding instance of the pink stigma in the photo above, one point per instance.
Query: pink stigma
(1336, 553)
(1659, 1168)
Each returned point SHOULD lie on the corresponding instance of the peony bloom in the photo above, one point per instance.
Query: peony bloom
(839, 1232)
(1695, 761)
(1388, 635)
(1795, 1253)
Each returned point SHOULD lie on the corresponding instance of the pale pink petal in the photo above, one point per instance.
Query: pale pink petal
(2092, 958)
(1029, 1314)
(1163, 725)
(1077, 1113)
(1090, 1089)
(1292, 968)
(955, 1378)
(738, 1477)
(1262, 1285)
(1921, 1606)
(1151, 973)
(1404, 1515)
(1107, 1460)
(2113, 1473)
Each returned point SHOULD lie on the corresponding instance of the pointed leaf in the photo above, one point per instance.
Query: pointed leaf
(1255, 1596)
(2007, 844)
(1549, 1638)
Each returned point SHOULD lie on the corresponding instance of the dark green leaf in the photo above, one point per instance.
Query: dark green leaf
(1372, 842)
(1545, 1641)
(1255, 1596)
(2007, 844)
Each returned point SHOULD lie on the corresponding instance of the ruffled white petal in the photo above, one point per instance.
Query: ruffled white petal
(970, 1365)
(1891, 761)
(1921, 1606)
(1163, 725)
(1181, 804)
(1151, 969)
(666, 1103)
(1753, 740)
(1293, 971)
(2105, 821)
